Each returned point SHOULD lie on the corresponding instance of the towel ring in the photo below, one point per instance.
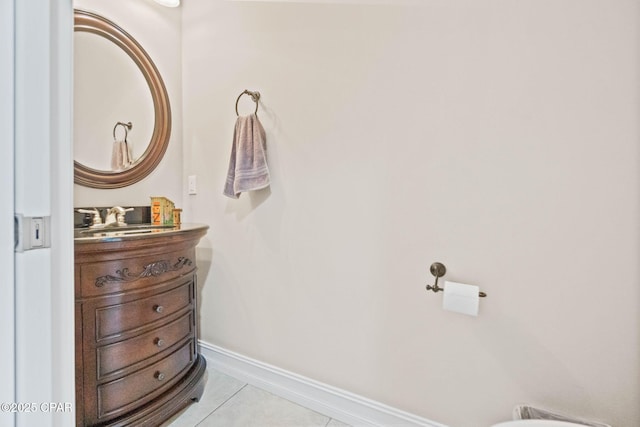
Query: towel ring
(255, 96)
(127, 127)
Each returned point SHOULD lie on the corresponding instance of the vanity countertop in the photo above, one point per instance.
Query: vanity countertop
(132, 232)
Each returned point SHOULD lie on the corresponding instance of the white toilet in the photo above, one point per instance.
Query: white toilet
(537, 423)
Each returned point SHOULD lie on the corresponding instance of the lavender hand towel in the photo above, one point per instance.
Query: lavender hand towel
(248, 164)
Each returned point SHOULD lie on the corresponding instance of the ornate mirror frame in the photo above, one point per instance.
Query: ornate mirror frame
(143, 166)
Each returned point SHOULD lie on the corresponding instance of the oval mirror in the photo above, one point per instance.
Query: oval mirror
(120, 103)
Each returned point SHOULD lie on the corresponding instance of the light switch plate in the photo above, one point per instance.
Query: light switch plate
(192, 185)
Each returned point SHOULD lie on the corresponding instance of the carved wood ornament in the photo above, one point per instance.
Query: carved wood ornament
(154, 269)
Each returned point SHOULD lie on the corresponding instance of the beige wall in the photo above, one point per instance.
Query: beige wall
(498, 137)
(157, 29)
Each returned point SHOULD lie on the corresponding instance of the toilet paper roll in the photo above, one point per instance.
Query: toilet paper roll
(461, 298)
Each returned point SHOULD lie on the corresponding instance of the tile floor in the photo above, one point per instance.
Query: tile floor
(228, 402)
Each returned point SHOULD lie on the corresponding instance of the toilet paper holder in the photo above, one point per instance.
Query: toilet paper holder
(438, 270)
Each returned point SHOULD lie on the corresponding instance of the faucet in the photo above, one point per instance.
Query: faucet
(115, 217)
(96, 220)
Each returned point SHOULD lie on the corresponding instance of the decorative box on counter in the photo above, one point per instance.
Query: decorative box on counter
(161, 211)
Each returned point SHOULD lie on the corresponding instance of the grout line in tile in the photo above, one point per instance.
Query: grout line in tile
(220, 405)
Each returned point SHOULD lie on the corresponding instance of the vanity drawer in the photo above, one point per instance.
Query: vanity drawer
(115, 320)
(108, 277)
(120, 395)
(113, 357)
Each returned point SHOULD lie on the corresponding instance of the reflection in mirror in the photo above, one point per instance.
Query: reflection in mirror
(108, 88)
(115, 82)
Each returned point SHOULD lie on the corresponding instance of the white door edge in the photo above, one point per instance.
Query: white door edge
(7, 320)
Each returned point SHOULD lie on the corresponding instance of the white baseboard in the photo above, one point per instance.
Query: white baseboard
(333, 402)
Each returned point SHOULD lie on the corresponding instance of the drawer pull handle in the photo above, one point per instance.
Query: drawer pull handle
(159, 342)
(159, 376)
(158, 308)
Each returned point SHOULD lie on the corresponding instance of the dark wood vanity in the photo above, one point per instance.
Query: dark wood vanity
(136, 310)
(137, 360)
